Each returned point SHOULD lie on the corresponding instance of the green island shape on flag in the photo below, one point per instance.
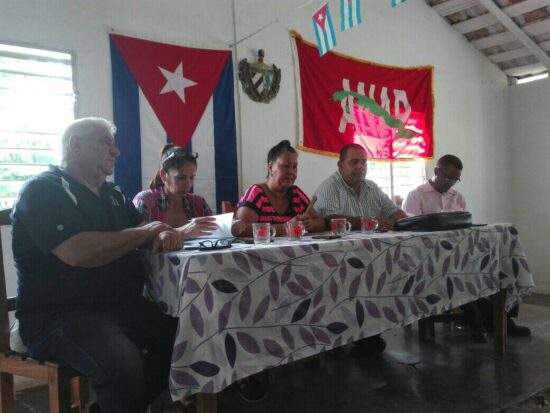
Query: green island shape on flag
(377, 110)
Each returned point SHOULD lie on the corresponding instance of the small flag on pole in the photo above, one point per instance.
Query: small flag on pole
(324, 32)
(396, 2)
(350, 12)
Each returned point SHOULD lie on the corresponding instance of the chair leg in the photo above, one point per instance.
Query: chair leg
(426, 329)
(60, 392)
(207, 403)
(7, 395)
(80, 397)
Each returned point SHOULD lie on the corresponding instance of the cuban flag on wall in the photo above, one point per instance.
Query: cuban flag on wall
(350, 13)
(179, 94)
(324, 32)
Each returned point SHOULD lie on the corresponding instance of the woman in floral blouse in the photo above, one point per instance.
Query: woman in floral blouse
(169, 200)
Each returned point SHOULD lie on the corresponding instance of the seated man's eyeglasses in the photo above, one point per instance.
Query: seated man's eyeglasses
(215, 244)
(450, 180)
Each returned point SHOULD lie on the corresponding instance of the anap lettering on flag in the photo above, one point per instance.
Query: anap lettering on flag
(350, 13)
(324, 31)
(388, 110)
(394, 3)
(163, 93)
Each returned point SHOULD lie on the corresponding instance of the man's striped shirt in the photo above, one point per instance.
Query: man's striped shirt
(336, 197)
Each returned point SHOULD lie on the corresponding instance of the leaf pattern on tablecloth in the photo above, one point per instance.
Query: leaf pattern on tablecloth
(273, 348)
(369, 277)
(381, 282)
(359, 313)
(261, 309)
(317, 314)
(244, 302)
(337, 327)
(329, 260)
(286, 274)
(174, 259)
(247, 342)
(450, 288)
(306, 336)
(178, 351)
(354, 287)
(242, 261)
(304, 282)
(301, 311)
(287, 337)
(296, 288)
(367, 244)
(230, 349)
(389, 262)
(274, 285)
(318, 297)
(223, 317)
(419, 273)
(224, 286)
(333, 289)
(183, 379)
(255, 260)
(325, 303)
(397, 253)
(288, 251)
(320, 335)
(372, 309)
(400, 306)
(197, 321)
(191, 286)
(205, 368)
(389, 314)
(208, 298)
(408, 285)
(458, 283)
(427, 242)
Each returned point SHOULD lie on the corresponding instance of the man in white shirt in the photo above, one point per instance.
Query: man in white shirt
(438, 194)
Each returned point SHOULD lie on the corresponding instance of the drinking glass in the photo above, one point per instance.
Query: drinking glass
(295, 230)
(368, 225)
(262, 232)
(340, 226)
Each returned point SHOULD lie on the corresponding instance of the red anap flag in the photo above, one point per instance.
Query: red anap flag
(326, 125)
(171, 77)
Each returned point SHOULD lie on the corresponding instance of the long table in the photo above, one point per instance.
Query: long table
(249, 308)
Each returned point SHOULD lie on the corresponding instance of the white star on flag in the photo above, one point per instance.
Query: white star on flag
(320, 18)
(176, 82)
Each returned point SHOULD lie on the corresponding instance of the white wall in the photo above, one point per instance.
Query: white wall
(470, 93)
(529, 106)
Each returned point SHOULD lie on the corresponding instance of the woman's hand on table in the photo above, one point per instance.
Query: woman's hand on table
(238, 227)
(198, 227)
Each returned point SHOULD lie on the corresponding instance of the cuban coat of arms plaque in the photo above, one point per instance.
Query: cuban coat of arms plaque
(260, 81)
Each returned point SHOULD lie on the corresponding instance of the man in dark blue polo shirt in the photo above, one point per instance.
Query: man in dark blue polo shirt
(80, 280)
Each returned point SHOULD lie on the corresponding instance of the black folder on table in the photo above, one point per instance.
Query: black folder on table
(441, 221)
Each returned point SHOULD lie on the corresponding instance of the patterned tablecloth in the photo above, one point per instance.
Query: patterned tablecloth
(248, 308)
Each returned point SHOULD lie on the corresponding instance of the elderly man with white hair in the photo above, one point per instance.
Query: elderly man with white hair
(80, 279)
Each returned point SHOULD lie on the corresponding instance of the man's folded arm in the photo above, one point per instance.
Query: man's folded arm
(94, 249)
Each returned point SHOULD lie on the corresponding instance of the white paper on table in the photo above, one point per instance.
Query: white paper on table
(224, 222)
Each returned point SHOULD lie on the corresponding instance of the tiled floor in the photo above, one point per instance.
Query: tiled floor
(453, 374)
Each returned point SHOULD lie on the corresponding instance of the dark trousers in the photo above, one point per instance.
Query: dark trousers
(126, 352)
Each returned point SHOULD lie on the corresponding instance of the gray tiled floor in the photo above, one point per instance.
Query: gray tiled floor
(453, 374)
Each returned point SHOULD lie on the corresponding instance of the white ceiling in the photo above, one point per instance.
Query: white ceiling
(513, 34)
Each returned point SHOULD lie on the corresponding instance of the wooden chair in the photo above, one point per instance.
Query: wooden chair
(227, 206)
(63, 382)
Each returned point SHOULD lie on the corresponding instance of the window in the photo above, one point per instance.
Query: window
(396, 179)
(36, 104)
